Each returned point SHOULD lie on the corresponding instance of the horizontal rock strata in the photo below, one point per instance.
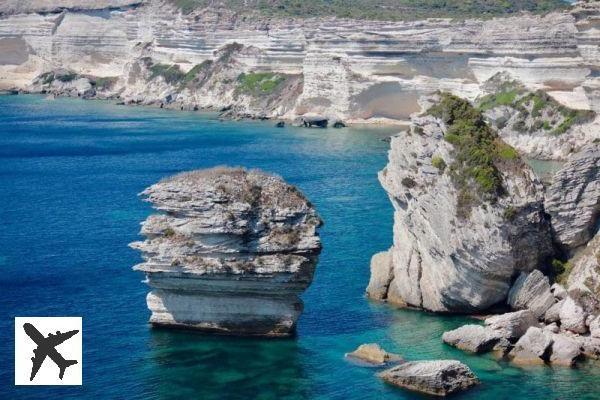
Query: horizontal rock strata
(573, 198)
(341, 68)
(229, 253)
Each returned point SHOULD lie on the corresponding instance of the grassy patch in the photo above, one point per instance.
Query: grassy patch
(561, 270)
(170, 73)
(439, 163)
(537, 108)
(388, 10)
(193, 73)
(505, 98)
(477, 150)
(258, 83)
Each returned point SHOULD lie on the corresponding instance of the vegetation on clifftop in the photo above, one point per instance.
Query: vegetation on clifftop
(536, 111)
(387, 10)
(478, 151)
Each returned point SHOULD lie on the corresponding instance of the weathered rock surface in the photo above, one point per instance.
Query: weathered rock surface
(584, 278)
(553, 313)
(229, 253)
(565, 350)
(440, 262)
(595, 327)
(573, 199)
(532, 348)
(381, 275)
(346, 69)
(472, 338)
(532, 292)
(590, 346)
(438, 378)
(559, 291)
(372, 353)
(573, 316)
(512, 325)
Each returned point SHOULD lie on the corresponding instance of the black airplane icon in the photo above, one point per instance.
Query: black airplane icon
(46, 347)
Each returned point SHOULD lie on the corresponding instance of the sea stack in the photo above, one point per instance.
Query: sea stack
(229, 253)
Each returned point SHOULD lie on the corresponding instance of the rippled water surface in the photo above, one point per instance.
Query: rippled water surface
(70, 171)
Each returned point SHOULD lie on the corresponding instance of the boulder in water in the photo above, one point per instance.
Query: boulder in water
(438, 378)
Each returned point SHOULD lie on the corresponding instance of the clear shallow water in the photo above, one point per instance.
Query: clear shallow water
(69, 174)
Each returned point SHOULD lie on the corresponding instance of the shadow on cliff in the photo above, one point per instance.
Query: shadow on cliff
(194, 365)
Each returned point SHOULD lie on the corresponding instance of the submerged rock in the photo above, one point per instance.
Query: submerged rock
(472, 338)
(573, 199)
(372, 353)
(230, 252)
(532, 292)
(453, 254)
(438, 378)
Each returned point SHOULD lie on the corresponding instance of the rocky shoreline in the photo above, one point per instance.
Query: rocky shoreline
(474, 230)
(289, 68)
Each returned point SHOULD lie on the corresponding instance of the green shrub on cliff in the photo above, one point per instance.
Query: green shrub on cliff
(170, 73)
(477, 152)
(387, 10)
(537, 111)
(196, 69)
(258, 83)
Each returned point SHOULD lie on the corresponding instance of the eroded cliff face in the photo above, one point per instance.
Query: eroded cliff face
(230, 252)
(453, 252)
(351, 70)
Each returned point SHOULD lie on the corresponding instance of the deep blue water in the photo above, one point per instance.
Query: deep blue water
(70, 171)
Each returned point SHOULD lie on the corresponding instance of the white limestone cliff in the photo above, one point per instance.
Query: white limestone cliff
(351, 70)
(230, 252)
(445, 259)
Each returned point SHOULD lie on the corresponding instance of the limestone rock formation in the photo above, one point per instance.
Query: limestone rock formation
(438, 378)
(230, 252)
(444, 260)
(372, 353)
(381, 273)
(553, 313)
(346, 69)
(559, 292)
(565, 350)
(595, 327)
(573, 199)
(534, 122)
(573, 316)
(532, 292)
(472, 338)
(532, 348)
(584, 278)
(512, 325)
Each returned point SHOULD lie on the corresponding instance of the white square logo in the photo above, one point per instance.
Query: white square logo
(48, 351)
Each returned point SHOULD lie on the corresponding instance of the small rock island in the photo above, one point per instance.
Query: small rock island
(230, 252)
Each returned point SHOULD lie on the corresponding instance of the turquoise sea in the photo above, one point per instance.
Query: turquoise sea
(70, 171)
